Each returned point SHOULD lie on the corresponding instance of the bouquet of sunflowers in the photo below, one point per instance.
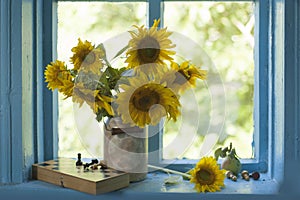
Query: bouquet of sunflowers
(144, 90)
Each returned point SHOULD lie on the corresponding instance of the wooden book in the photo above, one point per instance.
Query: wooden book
(63, 172)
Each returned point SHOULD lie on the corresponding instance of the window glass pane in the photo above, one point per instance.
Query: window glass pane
(95, 22)
(225, 32)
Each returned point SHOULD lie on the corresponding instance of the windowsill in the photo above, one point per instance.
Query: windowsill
(152, 186)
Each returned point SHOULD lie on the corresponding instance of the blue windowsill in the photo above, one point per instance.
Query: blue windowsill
(152, 187)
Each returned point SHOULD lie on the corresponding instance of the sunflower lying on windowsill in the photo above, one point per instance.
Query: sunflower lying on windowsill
(152, 90)
(207, 176)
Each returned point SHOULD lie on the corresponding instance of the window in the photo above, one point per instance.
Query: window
(95, 25)
(26, 107)
(98, 25)
(225, 31)
(260, 137)
(163, 139)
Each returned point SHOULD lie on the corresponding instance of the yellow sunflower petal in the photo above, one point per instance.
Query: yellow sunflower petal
(186, 76)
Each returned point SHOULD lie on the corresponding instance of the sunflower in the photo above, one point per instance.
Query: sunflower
(187, 74)
(207, 175)
(145, 101)
(87, 57)
(149, 46)
(93, 98)
(59, 77)
(67, 88)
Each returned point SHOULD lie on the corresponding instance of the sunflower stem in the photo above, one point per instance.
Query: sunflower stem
(107, 62)
(170, 171)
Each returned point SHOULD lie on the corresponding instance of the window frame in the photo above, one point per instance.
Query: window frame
(28, 132)
(28, 137)
(262, 117)
(261, 96)
(260, 161)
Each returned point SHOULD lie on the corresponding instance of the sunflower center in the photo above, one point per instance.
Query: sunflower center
(90, 58)
(148, 50)
(143, 99)
(182, 77)
(205, 177)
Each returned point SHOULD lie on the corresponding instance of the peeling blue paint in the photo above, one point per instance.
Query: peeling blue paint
(18, 131)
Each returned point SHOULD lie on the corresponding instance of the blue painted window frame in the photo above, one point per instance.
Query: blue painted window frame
(27, 109)
(28, 132)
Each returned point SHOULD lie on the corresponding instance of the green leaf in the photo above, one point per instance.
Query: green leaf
(101, 114)
(121, 51)
(218, 153)
(101, 47)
